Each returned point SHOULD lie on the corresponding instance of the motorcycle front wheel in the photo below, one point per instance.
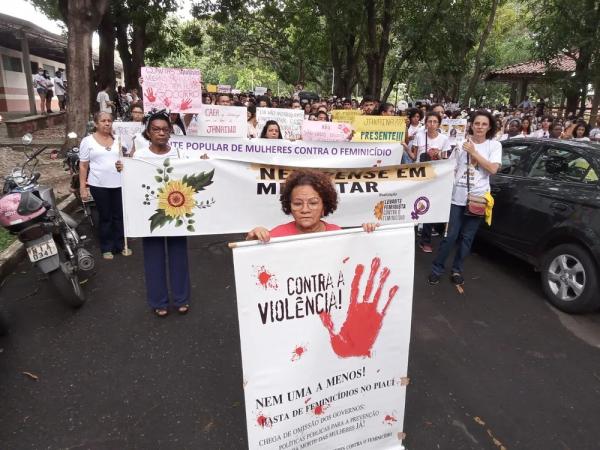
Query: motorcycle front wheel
(68, 287)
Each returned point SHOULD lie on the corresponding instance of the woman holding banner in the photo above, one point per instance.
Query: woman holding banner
(98, 153)
(162, 251)
(480, 157)
(308, 195)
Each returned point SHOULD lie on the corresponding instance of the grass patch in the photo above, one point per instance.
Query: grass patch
(5, 239)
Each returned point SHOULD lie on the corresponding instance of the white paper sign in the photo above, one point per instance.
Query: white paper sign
(313, 130)
(180, 197)
(325, 330)
(259, 90)
(289, 120)
(455, 129)
(126, 131)
(223, 121)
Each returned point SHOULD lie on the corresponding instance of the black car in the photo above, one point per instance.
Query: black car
(547, 212)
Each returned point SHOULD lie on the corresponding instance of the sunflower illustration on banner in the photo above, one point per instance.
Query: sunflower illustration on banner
(175, 198)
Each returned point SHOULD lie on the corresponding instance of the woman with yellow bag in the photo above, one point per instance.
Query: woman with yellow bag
(480, 157)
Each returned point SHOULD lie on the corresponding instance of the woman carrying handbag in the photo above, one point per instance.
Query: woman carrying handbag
(480, 157)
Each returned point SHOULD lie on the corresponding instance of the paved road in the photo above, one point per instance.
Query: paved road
(493, 367)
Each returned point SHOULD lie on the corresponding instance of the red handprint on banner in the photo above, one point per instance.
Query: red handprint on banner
(363, 321)
(167, 101)
(150, 95)
(185, 104)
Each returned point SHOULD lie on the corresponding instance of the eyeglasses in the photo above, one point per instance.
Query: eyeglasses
(160, 130)
(311, 203)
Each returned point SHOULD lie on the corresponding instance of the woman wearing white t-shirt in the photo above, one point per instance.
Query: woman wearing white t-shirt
(428, 145)
(414, 121)
(430, 141)
(98, 153)
(480, 157)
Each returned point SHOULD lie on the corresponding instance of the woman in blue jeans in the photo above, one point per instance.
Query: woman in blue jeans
(163, 255)
(480, 157)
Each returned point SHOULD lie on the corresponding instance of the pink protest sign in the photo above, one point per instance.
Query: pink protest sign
(313, 130)
(179, 90)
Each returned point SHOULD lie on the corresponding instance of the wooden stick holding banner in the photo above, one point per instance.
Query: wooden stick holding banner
(126, 251)
(299, 237)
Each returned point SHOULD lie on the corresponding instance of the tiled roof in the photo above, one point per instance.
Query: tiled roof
(534, 68)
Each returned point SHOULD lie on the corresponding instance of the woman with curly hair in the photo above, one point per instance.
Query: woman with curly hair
(308, 195)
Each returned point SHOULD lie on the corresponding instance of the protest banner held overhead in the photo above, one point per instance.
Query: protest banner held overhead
(259, 90)
(333, 311)
(284, 152)
(222, 121)
(179, 90)
(181, 197)
(345, 115)
(211, 88)
(379, 129)
(289, 120)
(313, 130)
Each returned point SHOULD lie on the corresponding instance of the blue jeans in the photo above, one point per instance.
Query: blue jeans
(110, 213)
(158, 252)
(427, 230)
(461, 230)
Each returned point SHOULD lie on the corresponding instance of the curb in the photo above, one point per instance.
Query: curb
(11, 256)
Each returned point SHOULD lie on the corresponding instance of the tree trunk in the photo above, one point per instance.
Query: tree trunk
(82, 18)
(378, 49)
(138, 46)
(482, 41)
(124, 53)
(106, 32)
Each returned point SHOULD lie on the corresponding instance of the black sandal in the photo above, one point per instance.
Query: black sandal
(183, 309)
(161, 312)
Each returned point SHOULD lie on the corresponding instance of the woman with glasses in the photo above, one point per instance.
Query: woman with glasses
(98, 154)
(308, 195)
(160, 252)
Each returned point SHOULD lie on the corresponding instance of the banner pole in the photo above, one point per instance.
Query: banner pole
(126, 251)
(299, 237)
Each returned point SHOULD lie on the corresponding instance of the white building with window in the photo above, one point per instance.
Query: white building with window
(46, 50)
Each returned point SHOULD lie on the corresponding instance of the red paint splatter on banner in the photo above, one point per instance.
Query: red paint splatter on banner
(346, 259)
(363, 322)
(389, 420)
(320, 409)
(299, 350)
(263, 421)
(265, 278)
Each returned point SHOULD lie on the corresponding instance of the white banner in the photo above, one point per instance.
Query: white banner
(126, 131)
(288, 153)
(289, 120)
(223, 121)
(178, 197)
(325, 331)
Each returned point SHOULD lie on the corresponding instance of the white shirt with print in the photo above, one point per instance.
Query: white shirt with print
(479, 179)
(426, 143)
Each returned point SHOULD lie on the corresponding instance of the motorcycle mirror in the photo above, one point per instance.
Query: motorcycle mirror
(26, 139)
(72, 135)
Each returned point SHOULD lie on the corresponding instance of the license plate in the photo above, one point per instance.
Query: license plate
(42, 250)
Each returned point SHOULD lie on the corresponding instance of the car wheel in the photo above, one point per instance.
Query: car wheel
(569, 279)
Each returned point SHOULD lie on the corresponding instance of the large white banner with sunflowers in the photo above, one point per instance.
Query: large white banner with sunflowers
(178, 197)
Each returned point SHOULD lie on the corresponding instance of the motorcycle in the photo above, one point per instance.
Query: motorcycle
(29, 210)
(71, 165)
